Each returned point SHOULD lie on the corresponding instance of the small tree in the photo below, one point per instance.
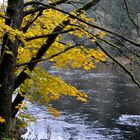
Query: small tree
(32, 32)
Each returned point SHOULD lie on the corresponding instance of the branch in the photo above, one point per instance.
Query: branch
(53, 4)
(34, 11)
(109, 43)
(91, 25)
(47, 35)
(19, 98)
(5, 17)
(85, 7)
(29, 23)
(118, 63)
(128, 14)
(88, 5)
(23, 76)
(110, 56)
(40, 8)
(46, 59)
(117, 47)
(131, 51)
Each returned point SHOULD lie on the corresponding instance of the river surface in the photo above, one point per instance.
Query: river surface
(111, 113)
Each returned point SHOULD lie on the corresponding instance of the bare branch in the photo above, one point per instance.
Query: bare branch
(131, 51)
(118, 63)
(120, 49)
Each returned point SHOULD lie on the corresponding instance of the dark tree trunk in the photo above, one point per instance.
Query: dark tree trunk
(8, 63)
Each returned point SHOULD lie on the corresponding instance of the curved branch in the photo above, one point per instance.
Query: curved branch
(91, 25)
(120, 49)
(118, 63)
(131, 51)
(85, 7)
(110, 56)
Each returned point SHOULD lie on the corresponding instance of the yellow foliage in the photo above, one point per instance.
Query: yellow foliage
(49, 87)
(53, 111)
(2, 120)
(79, 57)
(102, 34)
(41, 83)
(24, 55)
(21, 105)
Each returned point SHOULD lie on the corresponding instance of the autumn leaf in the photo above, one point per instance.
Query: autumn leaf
(2, 120)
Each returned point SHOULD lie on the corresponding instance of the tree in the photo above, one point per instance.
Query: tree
(33, 32)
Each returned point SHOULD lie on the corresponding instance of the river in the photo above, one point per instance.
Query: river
(112, 111)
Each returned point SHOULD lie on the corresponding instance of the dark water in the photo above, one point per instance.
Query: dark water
(111, 113)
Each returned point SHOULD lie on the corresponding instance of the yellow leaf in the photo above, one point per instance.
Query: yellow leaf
(54, 112)
(2, 120)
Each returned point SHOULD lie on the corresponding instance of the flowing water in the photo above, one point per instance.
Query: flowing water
(111, 113)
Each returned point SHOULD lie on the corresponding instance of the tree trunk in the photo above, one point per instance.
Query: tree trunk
(8, 64)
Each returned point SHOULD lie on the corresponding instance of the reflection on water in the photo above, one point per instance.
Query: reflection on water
(111, 113)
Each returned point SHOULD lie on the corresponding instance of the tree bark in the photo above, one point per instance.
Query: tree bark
(8, 64)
